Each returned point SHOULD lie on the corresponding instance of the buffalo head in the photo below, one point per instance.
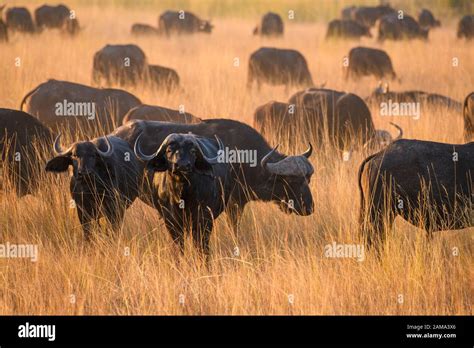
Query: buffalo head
(288, 181)
(182, 154)
(85, 157)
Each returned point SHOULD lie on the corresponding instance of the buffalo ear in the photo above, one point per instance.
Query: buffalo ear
(58, 164)
(158, 164)
(203, 167)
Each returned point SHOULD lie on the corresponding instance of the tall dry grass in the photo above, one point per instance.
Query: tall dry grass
(278, 255)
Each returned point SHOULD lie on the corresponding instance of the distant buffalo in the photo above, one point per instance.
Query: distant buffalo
(271, 25)
(56, 17)
(163, 78)
(22, 139)
(429, 99)
(428, 184)
(343, 119)
(121, 64)
(468, 115)
(60, 103)
(347, 29)
(427, 20)
(106, 178)
(19, 19)
(277, 66)
(182, 22)
(466, 27)
(139, 29)
(393, 28)
(367, 16)
(159, 113)
(365, 61)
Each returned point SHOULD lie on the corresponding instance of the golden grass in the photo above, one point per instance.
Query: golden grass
(280, 255)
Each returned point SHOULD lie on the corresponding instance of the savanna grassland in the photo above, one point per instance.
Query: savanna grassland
(274, 256)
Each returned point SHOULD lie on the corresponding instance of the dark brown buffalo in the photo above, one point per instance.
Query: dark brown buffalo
(367, 16)
(468, 115)
(182, 22)
(276, 66)
(193, 186)
(106, 178)
(393, 28)
(56, 17)
(270, 176)
(163, 78)
(159, 113)
(427, 20)
(19, 19)
(341, 119)
(139, 29)
(365, 61)
(109, 105)
(466, 27)
(22, 139)
(271, 25)
(349, 29)
(383, 95)
(120, 64)
(428, 184)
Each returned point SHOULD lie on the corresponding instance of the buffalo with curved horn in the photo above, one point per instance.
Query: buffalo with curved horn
(192, 189)
(104, 183)
(281, 179)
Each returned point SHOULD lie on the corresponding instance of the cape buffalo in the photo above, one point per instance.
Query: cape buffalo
(56, 17)
(61, 103)
(428, 184)
(271, 25)
(346, 29)
(343, 119)
(393, 28)
(468, 115)
(106, 178)
(3, 27)
(182, 22)
(19, 19)
(367, 16)
(384, 95)
(159, 113)
(365, 61)
(21, 138)
(466, 27)
(191, 191)
(258, 172)
(121, 64)
(277, 66)
(427, 20)
(140, 29)
(163, 78)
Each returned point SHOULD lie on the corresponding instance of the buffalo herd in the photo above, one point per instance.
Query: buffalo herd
(191, 169)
